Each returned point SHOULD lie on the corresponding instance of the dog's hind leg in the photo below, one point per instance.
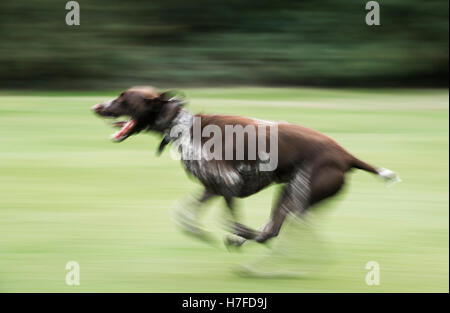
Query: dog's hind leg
(306, 188)
(295, 198)
(325, 183)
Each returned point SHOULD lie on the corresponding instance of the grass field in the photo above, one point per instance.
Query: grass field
(68, 193)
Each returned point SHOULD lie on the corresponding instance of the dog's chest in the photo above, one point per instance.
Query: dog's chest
(240, 181)
(227, 178)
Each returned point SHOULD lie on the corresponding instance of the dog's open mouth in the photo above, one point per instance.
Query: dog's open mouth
(126, 129)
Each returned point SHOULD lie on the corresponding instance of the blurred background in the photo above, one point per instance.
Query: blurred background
(176, 42)
(68, 194)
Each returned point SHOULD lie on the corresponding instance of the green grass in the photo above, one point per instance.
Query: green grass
(68, 193)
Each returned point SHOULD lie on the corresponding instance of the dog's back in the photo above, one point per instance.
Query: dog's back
(296, 144)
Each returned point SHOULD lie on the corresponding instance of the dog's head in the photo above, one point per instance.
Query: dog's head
(145, 108)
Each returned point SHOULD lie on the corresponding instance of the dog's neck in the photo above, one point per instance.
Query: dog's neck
(181, 124)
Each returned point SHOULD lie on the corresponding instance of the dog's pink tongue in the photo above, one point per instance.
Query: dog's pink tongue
(125, 129)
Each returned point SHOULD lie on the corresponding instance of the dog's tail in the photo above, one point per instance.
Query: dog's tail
(389, 176)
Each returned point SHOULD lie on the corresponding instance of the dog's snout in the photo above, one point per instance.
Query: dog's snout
(97, 108)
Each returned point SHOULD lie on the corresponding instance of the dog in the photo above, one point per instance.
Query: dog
(310, 165)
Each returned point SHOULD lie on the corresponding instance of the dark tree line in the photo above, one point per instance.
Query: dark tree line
(200, 42)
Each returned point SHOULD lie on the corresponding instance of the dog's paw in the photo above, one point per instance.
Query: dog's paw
(233, 242)
(187, 222)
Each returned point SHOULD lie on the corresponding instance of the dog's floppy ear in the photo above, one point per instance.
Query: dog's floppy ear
(172, 95)
(157, 102)
(171, 101)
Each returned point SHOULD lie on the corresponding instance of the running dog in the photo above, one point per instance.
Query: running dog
(311, 165)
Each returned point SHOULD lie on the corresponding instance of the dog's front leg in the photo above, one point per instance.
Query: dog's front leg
(187, 217)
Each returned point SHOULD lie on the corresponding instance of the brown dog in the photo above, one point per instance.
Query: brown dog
(310, 164)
